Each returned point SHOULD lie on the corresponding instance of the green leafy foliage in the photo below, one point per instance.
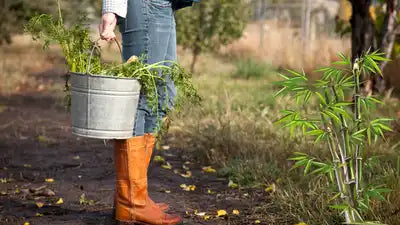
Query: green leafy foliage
(211, 24)
(345, 126)
(251, 68)
(83, 56)
(15, 13)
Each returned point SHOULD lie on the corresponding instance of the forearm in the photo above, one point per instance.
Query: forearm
(119, 7)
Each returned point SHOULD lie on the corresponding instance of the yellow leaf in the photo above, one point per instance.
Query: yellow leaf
(206, 217)
(187, 163)
(221, 213)
(49, 180)
(39, 214)
(167, 191)
(271, 188)
(257, 221)
(39, 204)
(210, 192)
(231, 184)
(167, 166)
(76, 157)
(302, 223)
(42, 138)
(187, 174)
(235, 212)
(16, 190)
(60, 201)
(176, 171)
(27, 165)
(26, 223)
(188, 187)
(158, 158)
(209, 169)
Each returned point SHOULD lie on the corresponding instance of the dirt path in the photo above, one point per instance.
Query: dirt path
(36, 143)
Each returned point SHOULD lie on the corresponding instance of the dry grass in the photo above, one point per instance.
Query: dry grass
(21, 62)
(283, 47)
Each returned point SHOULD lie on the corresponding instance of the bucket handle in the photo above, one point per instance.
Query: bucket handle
(97, 46)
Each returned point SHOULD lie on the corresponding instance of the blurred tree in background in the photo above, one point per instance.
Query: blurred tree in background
(373, 25)
(211, 24)
(14, 13)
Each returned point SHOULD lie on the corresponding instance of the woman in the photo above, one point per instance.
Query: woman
(148, 29)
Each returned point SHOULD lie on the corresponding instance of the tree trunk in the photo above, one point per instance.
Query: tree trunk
(386, 42)
(306, 24)
(363, 33)
(196, 53)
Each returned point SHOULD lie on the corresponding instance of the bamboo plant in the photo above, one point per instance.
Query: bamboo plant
(343, 122)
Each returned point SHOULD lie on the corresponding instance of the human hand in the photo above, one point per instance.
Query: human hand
(107, 26)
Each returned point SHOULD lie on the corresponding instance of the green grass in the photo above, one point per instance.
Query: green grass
(234, 130)
(251, 68)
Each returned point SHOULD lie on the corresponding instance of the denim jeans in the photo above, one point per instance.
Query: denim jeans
(149, 30)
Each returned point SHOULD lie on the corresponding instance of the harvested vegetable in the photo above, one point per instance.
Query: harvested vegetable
(82, 55)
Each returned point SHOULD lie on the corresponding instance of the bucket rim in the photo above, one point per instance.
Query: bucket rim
(101, 76)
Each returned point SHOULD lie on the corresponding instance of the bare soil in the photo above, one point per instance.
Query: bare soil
(36, 144)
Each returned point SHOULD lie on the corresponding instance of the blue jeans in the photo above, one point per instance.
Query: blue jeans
(149, 30)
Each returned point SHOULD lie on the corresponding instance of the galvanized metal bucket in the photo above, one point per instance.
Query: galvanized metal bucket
(103, 107)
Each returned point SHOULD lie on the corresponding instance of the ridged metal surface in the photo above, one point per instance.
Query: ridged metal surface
(103, 107)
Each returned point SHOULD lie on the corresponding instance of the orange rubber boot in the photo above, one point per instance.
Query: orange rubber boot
(132, 204)
(150, 140)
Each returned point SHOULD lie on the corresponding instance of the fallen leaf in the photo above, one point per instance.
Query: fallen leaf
(3, 180)
(26, 223)
(167, 166)
(167, 191)
(39, 204)
(185, 167)
(77, 157)
(16, 190)
(165, 147)
(188, 187)
(206, 217)
(209, 169)
(27, 165)
(221, 213)
(39, 214)
(3, 193)
(257, 221)
(2, 108)
(176, 171)
(232, 184)
(42, 139)
(60, 201)
(200, 213)
(158, 158)
(271, 188)
(210, 192)
(187, 163)
(49, 180)
(301, 223)
(187, 174)
(235, 212)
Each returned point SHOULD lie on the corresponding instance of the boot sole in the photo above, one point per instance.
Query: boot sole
(137, 223)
